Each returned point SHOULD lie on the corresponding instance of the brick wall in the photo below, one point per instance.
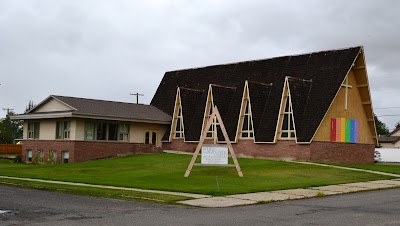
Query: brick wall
(47, 146)
(342, 152)
(90, 150)
(85, 150)
(288, 150)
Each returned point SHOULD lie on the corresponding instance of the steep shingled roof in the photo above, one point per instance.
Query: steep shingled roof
(326, 69)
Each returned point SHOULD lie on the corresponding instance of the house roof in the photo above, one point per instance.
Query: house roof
(393, 132)
(316, 79)
(102, 109)
(387, 139)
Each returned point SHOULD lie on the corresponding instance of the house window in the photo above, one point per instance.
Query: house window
(28, 155)
(150, 137)
(287, 130)
(124, 132)
(65, 156)
(179, 124)
(101, 131)
(247, 126)
(63, 130)
(89, 131)
(112, 131)
(106, 131)
(211, 131)
(33, 130)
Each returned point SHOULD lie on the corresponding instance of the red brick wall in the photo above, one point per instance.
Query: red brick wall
(90, 150)
(342, 152)
(288, 150)
(46, 146)
(85, 150)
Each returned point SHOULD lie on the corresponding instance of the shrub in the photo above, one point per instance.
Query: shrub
(17, 159)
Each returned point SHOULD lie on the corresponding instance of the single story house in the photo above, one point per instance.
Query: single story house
(70, 129)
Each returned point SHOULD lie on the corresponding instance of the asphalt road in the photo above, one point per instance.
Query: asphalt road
(33, 207)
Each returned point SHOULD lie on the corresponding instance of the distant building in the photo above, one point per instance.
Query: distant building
(392, 140)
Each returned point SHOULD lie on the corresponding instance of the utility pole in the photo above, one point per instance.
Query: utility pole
(137, 96)
(8, 110)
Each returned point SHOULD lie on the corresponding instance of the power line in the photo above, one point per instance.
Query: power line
(387, 115)
(387, 108)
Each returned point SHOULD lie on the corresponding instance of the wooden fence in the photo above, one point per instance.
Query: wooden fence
(10, 149)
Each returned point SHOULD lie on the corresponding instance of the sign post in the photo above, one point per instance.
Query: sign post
(214, 155)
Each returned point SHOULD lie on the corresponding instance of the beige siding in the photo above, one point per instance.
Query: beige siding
(355, 111)
(79, 129)
(53, 105)
(47, 129)
(25, 130)
(137, 132)
(397, 133)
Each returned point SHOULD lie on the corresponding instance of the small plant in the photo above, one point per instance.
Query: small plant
(321, 194)
(51, 158)
(37, 157)
(17, 159)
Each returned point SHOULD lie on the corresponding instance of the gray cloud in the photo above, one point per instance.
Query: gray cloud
(107, 49)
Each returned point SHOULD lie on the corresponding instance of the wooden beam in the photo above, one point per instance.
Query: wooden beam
(370, 119)
(358, 67)
(362, 85)
(366, 103)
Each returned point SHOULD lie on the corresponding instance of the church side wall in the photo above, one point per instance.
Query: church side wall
(332, 152)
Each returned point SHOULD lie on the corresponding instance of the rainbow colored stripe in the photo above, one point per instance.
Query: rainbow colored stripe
(344, 130)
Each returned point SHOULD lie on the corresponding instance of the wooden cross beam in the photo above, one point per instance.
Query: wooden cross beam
(346, 86)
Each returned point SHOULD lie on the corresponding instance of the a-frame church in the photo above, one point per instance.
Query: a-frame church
(313, 107)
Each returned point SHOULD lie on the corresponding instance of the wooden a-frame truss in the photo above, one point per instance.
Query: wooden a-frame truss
(215, 115)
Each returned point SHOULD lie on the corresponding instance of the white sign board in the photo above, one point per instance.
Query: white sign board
(214, 154)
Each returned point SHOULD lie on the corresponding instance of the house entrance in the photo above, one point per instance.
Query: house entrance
(150, 137)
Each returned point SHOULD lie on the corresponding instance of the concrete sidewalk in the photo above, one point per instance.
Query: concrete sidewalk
(259, 197)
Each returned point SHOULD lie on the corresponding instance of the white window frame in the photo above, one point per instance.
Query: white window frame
(33, 128)
(250, 127)
(63, 155)
(288, 111)
(63, 129)
(123, 134)
(29, 155)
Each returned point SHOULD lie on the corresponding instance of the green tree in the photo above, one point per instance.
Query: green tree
(381, 128)
(9, 130)
(397, 125)
(30, 106)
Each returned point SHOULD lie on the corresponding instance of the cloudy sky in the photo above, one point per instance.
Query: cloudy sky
(109, 49)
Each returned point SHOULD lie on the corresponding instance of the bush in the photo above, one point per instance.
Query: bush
(17, 159)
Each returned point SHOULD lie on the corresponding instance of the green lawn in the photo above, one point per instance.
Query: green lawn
(165, 172)
(378, 167)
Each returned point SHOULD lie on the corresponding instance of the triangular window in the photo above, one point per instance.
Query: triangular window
(177, 124)
(247, 125)
(287, 129)
(211, 133)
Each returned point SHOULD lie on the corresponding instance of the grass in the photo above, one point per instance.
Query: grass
(98, 192)
(165, 172)
(377, 167)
